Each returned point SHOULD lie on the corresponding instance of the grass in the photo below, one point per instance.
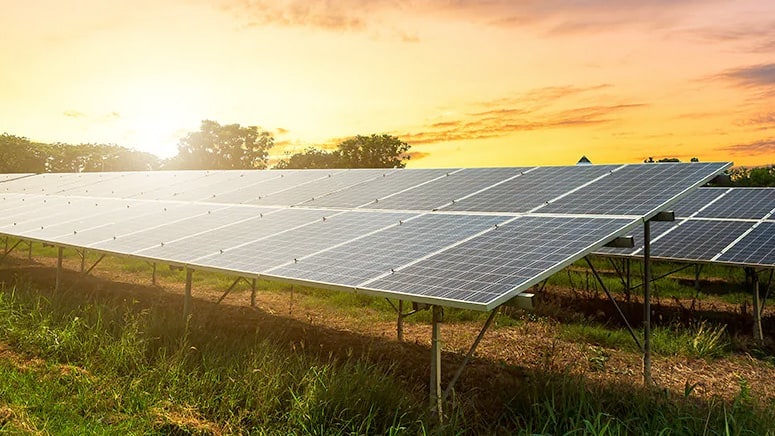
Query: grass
(100, 363)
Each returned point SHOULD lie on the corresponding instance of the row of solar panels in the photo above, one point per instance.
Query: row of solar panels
(604, 189)
(721, 225)
(451, 257)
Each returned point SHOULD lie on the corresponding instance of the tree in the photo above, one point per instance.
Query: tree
(20, 155)
(757, 176)
(375, 151)
(311, 158)
(61, 157)
(217, 146)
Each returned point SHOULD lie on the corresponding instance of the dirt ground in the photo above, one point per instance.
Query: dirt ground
(506, 356)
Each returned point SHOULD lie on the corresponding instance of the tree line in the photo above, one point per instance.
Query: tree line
(232, 146)
(213, 147)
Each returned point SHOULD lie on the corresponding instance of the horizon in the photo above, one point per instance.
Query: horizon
(465, 84)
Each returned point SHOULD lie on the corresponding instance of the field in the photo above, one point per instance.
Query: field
(111, 354)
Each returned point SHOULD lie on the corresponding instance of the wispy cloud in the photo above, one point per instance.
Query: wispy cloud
(539, 109)
(72, 113)
(753, 37)
(555, 17)
(761, 147)
(762, 75)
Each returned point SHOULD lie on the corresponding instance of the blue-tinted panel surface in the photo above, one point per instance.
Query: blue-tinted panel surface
(234, 235)
(635, 189)
(309, 191)
(698, 239)
(751, 203)
(367, 192)
(756, 248)
(368, 257)
(487, 268)
(444, 190)
(284, 180)
(657, 228)
(533, 188)
(186, 227)
(282, 248)
(696, 200)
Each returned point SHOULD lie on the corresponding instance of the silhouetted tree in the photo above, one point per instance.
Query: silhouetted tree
(20, 155)
(311, 157)
(217, 146)
(756, 176)
(375, 151)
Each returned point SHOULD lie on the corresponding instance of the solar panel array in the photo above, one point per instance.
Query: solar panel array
(720, 225)
(471, 238)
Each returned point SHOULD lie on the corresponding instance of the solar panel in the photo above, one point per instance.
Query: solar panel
(455, 258)
(696, 200)
(485, 271)
(698, 239)
(365, 258)
(14, 176)
(369, 191)
(752, 203)
(309, 191)
(641, 189)
(130, 240)
(437, 193)
(533, 188)
(261, 255)
(657, 228)
(221, 238)
(756, 248)
(283, 180)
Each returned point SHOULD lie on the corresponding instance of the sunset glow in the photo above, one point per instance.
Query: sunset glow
(466, 83)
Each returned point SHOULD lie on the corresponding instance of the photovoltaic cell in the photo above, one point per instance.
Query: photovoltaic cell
(283, 181)
(259, 256)
(185, 227)
(368, 192)
(444, 190)
(756, 248)
(696, 200)
(533, 188)
(309, 191)
(485, 270)
(370, 256)
(751, 203)
(698, 239)
(222, 238)
(657, 228)
(635, 189)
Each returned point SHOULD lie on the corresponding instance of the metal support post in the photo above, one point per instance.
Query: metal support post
(627, 278)
(29, 250)
(153, 274)
(758, 335)
(451, 385)
(83, 260)
(616, 305)
(697, 271)
(9, 250)
(436, 396)
(231, 288)
(187, 296)
(400, 321)
(58, 283)
(253, 293)
(647, 303)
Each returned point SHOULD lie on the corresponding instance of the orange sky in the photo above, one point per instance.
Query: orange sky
(466, 83)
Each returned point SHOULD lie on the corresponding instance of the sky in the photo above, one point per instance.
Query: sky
(465, 83)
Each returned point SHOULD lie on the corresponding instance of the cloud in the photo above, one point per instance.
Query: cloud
(763, 147)
(763, 120)
(281, 131)
(753, 37)
(72, 113)
(752, 76)
(555, 17)
(539, 109)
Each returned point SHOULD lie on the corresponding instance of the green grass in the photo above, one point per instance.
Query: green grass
(702, 340)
